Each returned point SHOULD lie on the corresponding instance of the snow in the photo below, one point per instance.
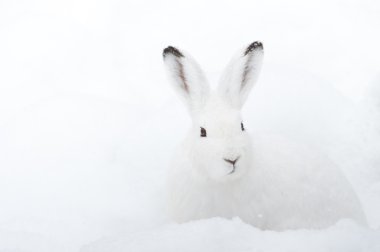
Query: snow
(88, 120)
(234, 235)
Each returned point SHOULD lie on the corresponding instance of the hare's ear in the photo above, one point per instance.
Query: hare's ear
(241, 74)
(187, 77)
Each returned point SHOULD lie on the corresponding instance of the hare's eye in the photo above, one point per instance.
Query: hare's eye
(242, 126)
(203, 132)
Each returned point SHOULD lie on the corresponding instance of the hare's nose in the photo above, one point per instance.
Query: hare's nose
(231, 161)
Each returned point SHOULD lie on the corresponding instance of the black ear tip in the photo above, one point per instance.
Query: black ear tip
(257, 45)
(172, 50)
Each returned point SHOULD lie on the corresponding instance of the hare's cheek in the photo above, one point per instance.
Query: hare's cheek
(217, 172)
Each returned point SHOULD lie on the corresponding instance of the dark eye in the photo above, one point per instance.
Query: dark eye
(203, 132)
(242, 126)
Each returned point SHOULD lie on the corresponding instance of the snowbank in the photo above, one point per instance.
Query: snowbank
(233, 235)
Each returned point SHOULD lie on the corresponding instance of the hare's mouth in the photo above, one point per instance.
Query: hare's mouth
(233, 170)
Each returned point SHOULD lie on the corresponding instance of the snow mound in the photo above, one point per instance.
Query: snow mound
(233, 235)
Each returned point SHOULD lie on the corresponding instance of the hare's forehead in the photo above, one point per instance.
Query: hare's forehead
(217, 114)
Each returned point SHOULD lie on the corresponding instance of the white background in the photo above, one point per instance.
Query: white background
(88, 121)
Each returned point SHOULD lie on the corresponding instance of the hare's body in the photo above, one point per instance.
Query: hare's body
(279, 191)
(270, 183)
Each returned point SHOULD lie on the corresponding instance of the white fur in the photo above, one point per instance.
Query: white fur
(275, 184)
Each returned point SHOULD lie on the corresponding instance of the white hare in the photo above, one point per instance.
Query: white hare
(269, 183)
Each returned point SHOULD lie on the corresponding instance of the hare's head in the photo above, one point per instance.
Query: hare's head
(219, 145)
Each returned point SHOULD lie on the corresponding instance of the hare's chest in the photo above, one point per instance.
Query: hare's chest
(197, 202)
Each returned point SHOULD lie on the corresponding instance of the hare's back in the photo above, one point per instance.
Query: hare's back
(300, 187)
